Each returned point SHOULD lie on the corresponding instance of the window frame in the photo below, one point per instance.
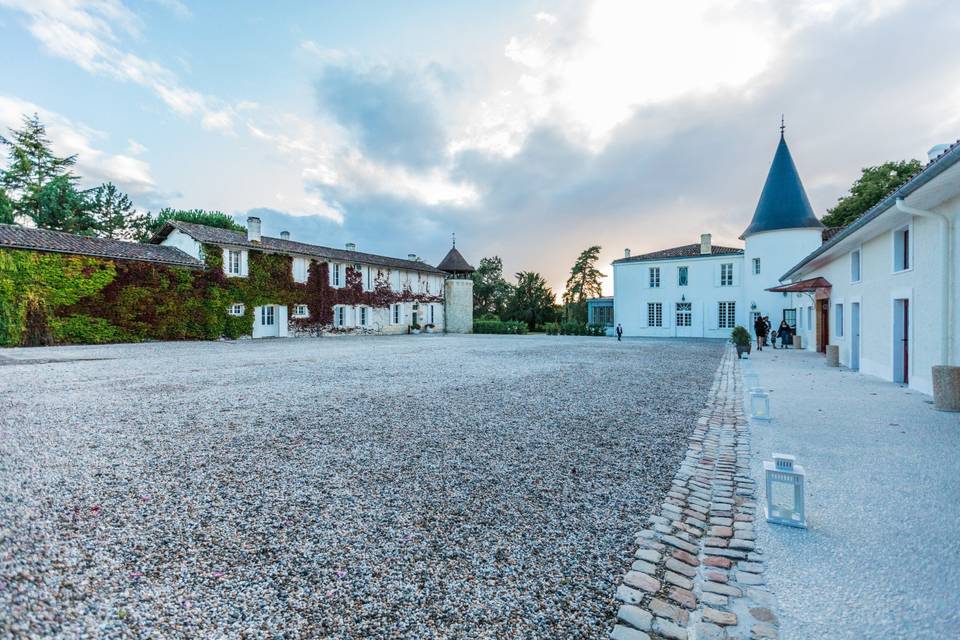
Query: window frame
(683, 276)
(297, 311)
(726, 269)
(902, 251)
(653, 281)
(267, 312)
(230, 255)
(237, 309)
(686, 313)
(655, 315)
(726, 314)
(336, 277)
(858, 252)
(756, 266)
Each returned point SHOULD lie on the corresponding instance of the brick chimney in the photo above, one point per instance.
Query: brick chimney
(706, 248)
(253, 229)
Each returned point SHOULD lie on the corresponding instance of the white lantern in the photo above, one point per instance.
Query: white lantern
(752, 380)
(784, 483)
(759, 404)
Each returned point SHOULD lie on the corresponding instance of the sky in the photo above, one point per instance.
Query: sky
(530, 129)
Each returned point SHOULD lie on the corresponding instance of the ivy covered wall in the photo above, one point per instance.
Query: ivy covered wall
(50, 298)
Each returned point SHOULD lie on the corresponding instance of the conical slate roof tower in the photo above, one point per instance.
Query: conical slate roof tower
(783, 201)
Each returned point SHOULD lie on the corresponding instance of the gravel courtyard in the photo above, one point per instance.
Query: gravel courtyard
(412, 486)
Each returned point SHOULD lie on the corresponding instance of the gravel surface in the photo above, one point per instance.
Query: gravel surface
(412, 486)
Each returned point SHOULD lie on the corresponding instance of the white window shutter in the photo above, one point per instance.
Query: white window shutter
(244, 264)
(736, 273)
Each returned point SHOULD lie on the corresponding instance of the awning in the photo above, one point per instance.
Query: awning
(804, 286)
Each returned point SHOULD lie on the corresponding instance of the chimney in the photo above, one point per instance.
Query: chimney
(284, 235)
(412, 257)
(705, 246)
(351, 246)
(936, 150)
(253, 229)
(626, 253)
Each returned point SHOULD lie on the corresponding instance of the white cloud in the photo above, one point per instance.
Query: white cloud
(70, 138)
(134, 148)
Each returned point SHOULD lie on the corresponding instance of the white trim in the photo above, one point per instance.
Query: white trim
(911, 255)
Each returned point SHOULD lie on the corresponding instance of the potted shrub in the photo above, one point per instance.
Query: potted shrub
(740, 337)
(415, 328)
(428, 328)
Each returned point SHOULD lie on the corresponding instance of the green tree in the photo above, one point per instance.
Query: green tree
(114, 215)
(491, 292)
(583, 283)
(59, 206)
(6, 208)
(533, 301)
(869, 189)
(196, 216)
(31, 166)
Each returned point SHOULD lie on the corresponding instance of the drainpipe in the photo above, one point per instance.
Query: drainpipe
(947, 251)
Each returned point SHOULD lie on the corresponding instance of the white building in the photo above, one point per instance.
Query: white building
(392, 294)
(884, 289)
(704, 290)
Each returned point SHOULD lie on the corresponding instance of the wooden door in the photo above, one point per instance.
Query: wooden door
(823, 325)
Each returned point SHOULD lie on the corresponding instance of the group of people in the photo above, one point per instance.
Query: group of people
(762, 328)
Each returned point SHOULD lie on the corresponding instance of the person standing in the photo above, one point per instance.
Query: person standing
(619, 332)
(766, 334)
(785, 334)
(760, 329)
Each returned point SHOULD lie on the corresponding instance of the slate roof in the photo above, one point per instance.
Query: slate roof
(686, 251)
(216, 235)
(454, 262)
(783, 202)
(949, 157)
(16, 237)
(829, 232)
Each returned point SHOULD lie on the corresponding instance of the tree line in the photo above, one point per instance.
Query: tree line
(39, 187)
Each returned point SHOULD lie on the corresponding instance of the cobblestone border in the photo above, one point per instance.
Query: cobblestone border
(698, 574)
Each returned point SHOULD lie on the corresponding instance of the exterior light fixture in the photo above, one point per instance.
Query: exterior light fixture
(752, 380)
(784, 483)
(753, 305)
(759, 405)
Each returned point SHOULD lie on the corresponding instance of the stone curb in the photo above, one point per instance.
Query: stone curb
(697, 573)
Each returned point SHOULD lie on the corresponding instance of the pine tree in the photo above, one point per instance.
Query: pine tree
(32, 165)
(533, 301)
(583, 283)
(59, 206)
(491, 292)
(6, 208)
(114, 215)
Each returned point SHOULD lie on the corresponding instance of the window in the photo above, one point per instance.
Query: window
(800, 319)
(809, 317)
(237, 309)
(790, 315)
(300, 269)
(300, 311)
(682, 276)
(340, 316)
(855, 266)
(754, 315)
(726, 274)
(233, 262)
(601, 314)
(654, 314)
(901, 249)
(364, 316)
(369, 279)
(266, 315)
(654, 277)
(684, 314)
(838, 314)
(396, 314)
(726, 314)
(756, 265)
(335, 274)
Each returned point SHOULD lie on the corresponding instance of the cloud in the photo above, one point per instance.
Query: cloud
(94, 165)
(89, 34)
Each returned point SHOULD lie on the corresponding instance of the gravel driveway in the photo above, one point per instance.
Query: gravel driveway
(410, 486)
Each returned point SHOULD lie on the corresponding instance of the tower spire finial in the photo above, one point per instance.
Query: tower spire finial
(454, 236)
(782, 125)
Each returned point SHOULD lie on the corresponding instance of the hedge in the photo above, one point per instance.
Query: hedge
(574, 329)
(498, 326)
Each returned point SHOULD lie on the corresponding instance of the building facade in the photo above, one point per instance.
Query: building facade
(703, 290)
(884, 289)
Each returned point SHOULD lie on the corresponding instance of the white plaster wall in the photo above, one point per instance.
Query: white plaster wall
(185, 243)
(632, 293)
(779, 251)
(879, 286)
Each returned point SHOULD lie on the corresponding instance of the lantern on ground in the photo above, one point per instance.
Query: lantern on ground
(784, 484)
(752, 380)
(759, 404)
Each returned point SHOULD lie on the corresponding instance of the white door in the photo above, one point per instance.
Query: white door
(683, 319)
(855, 336)
(266, 321)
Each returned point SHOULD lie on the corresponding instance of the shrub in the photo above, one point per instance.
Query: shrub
(740, 336)
(80, 329)
(598, 330)
(552, 328)
(497, 326)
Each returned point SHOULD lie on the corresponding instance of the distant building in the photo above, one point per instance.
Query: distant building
(600, 311)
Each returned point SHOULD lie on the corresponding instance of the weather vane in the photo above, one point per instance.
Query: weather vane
(782, 126)
(454, 236)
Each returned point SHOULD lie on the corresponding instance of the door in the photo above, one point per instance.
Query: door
(683, 320)
(265, 321)
(855, 336)
(823, 325)
(901, 340)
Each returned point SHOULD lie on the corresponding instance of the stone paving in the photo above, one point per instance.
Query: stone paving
(698, 574)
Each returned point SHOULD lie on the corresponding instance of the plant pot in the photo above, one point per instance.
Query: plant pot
(946, 388)
(429, 330)
(415, 332)
(742, 349)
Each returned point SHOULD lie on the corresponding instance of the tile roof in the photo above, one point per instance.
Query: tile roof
(686, 251)
(949, 157)
(828, 232)
(454, 262)
(216, 235)
(16, 237)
